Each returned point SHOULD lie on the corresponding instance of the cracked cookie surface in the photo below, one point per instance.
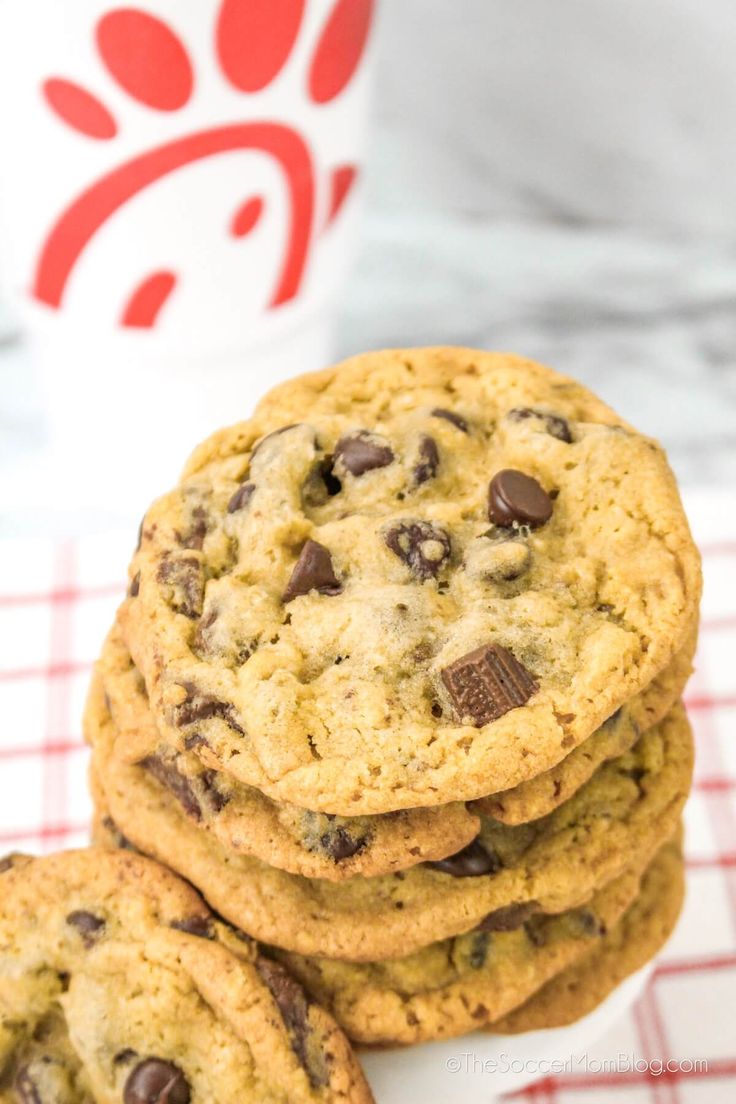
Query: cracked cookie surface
(117, 984)
(419, 577)
(620, 816)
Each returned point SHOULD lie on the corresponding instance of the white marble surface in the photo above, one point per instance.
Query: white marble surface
(556, 179)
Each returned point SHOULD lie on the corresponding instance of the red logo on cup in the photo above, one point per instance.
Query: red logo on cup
(151, 64)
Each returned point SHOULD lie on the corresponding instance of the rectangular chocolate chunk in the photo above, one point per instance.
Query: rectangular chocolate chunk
(486, 683)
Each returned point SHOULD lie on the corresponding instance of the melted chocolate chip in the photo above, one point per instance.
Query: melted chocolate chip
(293, 1004)
(155, 1081)
(135, 585)
(486, 683)
(423, 547)
(241, 498)
(186, 579)
(200, 926)
(6, 863)
(312, 571)
(87, 924)
(201, 707)
(340, 844)
(508, 918)
(555, 425)
(197, 531)
(472, 862)
(429, 460)
(361, 452)
(450, 416)
(516, 497)
(177, 784)
(112, 829)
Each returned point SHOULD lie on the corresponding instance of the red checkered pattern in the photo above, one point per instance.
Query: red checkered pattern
(56, 601)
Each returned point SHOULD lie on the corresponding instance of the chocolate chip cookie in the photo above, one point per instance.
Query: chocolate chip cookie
(419, 577)
(618, 818)
(635, 939)
(462, 984)
(118, 984)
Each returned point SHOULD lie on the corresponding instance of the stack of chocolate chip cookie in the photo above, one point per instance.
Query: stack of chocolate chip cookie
(396, 687)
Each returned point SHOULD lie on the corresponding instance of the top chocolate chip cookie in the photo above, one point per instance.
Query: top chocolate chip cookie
(419, 577)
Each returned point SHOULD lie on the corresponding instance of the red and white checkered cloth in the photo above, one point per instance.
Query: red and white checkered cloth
(56, 602)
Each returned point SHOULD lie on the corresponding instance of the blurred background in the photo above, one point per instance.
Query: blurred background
(552, 179)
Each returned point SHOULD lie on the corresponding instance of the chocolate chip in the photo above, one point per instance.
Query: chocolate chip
(340, 844)
(6, 863)
(177, 784)
(479, 950)
(200, 926)
(312, 571)
(361, 452)
(429, 460)
(155, 1081)
(241, 498)
(553, 424)
(197, 531)
(472, 862)
(26, 1089)
(450, 416)
(508, 918)
(293, 1004)
(87, 924)
(186, 579)
(201, 707)
(135, 585)
(424, 547)
(486, 683)
(588, 923)
(516, 497)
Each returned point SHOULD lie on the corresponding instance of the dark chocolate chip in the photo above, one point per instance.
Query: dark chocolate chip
(554, 424)
(486, 683)
(177, 784)
(135, 585)
(516, 497)
(6, 863)
(361, 452)
(422, 546)
(508, 918)
(429, 461)
(155, 1081)
(87, 924)
(201, 707)
(293, 1004)
(194, 925)
(473, 861)
(450, 416)
(185, 576)
(197, 531)
(241, 498)
(209, 781)
(588, 923)
(340, 844)
(26, 1089)
(312, 571)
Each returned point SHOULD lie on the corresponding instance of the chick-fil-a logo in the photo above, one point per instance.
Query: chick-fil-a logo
(150, 62)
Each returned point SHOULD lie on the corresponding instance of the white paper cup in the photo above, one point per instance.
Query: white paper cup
(178, 192)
